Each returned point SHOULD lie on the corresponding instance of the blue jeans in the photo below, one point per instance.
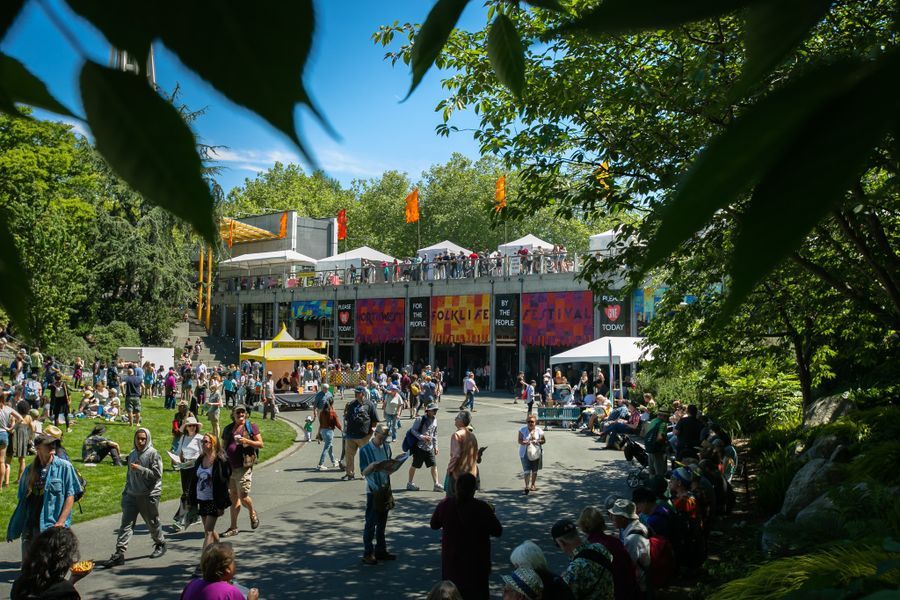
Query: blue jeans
(470, 401)
(376, 522)
(618, 428)
(392, 426)
(328, 438)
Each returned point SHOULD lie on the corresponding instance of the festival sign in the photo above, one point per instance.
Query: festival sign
(311, 309)
(461, 319)
(380, 320)
(419, 318)
(645, 302)
(346, 320)
(560, 319)
(506, 317)
(614, 315)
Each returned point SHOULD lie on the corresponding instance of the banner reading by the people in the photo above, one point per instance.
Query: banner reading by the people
(560, 319)
(380, 320)
(506, 317)
(614, 315)
(311, 309)
(346, 319)
(419, 318)
(461, 319)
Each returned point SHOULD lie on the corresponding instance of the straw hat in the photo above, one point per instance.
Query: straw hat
(191, 421)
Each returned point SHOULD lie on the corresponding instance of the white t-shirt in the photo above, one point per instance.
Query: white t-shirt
(393, 406)
(524, 433)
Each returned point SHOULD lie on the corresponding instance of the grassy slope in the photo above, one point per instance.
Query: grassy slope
(105, 482)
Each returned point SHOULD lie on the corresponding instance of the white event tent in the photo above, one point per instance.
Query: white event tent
(430, 252)
(267, 259)
(529, 241)
(602, 242)
(607, 350)
(355, 257)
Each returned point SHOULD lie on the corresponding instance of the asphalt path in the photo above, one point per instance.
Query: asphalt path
(309, 543)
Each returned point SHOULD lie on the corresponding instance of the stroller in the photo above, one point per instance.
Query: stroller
(635, 451)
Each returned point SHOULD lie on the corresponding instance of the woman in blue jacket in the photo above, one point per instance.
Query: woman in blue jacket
(46, 494)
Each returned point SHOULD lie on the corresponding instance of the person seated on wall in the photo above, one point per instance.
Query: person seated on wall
(595, 411)
(626, 426)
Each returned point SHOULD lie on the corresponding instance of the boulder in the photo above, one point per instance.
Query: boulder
(775, 534)
(819, 511)
(826, 410)
(841, 454)
(822, 447)
(809, 482)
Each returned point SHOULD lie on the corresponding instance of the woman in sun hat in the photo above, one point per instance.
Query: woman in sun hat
(523, 584)
(188, 450)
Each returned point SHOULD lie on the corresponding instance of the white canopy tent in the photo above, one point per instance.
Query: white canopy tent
(608, 350)
(430, 252)
(267, 259)
(355, 257)
(529, 241)
(602, 242)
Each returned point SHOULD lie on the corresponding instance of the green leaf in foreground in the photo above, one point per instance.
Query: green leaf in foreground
(616, 16)
(813, 175)
(507, 54)
(9, 10)
(15, 293)
(432, 36)
(145, 141)
(18, 84)
(132, 26)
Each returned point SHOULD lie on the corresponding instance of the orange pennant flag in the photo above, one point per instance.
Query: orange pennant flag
(500, 194)
(412, 206)
(282, 231)
(342, 224)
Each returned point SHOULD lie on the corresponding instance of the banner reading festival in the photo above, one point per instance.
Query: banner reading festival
(380, 320)
(461, 319)
(557, 319)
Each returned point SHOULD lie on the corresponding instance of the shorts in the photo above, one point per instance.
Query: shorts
(4, 439)
(421, 457)
(532, 465)
(132, 405)
(208, 508)
(240, 481)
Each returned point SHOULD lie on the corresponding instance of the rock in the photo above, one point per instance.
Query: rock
(841, 454)
(826, 410)
(822, 447)
(774, 534)
(821, 510)
(806, 486)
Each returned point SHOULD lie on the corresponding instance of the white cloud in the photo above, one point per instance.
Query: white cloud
(333, 160)
(253, 160)
(78, 128)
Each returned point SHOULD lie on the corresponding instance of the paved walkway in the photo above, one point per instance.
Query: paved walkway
(309, 542)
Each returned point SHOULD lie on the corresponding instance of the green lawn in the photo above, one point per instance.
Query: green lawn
(105, 482)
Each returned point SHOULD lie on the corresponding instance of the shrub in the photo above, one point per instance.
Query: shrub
(776, 470)
(773, 439)
(107, 339)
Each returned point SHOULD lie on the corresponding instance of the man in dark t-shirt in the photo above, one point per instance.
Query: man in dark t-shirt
(687, 431)
(133, 386)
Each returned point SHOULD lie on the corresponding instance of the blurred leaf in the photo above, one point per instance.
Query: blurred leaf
(891, 545)
(507, 54)
(17, 84)
(144, 139)
(9, 10)
(813, 174)
(547, 4)
(15, 293)
(432, 36)
(732, 162)
(882, 595)
(615, 16)
(131, 27)
(773, 29)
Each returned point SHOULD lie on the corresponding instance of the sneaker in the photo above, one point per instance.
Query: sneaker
(335, 465)
(158, 550)
(412, 487)
(385, 555)
(177, 527)
(117, 559)
(370, 559)
(322, 468)
(438, 487)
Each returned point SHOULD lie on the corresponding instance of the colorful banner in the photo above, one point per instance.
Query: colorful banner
(312, 309)
(559, 319)
(614, 315)
(461, 319)
(506, 317)
(346, 319)
(380, 320)
(645, 302)
(419, 318)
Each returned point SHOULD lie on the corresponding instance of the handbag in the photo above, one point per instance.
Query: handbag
(383, 499)
(533, 451)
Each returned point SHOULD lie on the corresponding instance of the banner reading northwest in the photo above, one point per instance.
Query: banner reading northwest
(461, 319)
(557, 319)
(380, 320)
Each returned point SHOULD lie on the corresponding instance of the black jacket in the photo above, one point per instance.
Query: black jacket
(221, 471)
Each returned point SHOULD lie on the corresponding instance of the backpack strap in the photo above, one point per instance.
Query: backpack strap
(597, 557)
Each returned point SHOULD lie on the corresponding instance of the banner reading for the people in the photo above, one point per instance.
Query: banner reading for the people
(614, 315)
(557, 319)
(346, 319)
(311, 309)
(380, 320)
(419, 318)
(461, 319)
(506, 317)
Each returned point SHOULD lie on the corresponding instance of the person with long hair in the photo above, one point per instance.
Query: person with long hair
(8, 420)
(46, 494)
(328, 422)
(209, 492)
(468, 525)
(217, 565)
(188, 449)
(463, 452)
(44, 571)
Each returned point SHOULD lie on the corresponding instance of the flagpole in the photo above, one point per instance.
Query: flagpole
(418, 232)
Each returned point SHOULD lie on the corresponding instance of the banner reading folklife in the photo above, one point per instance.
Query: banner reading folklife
(346, 319)
(461, 319)
(311, 309)
(419, 318)
(557, 319)
(380, 320)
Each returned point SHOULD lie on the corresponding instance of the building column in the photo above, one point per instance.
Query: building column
(492, 349)
(237, 321)
(407, 343)
(430, 336)
(276, 326)
(521, 346)
(222, 318)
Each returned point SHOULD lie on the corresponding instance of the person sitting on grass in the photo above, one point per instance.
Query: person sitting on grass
(96, 447)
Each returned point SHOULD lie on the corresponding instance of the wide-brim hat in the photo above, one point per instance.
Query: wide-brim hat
(525, 581)
(44, 438)
(432, 406)
(382, 429)
(87, 395)
(624, 508)
(190, 421)
(53, 431)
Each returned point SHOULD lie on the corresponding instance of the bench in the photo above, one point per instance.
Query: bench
(561, 414)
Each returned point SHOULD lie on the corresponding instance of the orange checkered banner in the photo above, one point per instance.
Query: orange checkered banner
(557, 318)
(461, 319)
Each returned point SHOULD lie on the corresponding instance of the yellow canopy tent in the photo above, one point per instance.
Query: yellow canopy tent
(279, 353)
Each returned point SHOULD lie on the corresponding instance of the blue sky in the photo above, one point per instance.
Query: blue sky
(355, 88)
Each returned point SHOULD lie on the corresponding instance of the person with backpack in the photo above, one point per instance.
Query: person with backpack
(625, 582)
(422, 442)
(32, 391)
(360, 418)
(589, 573)
(242, 441)
(634, 536)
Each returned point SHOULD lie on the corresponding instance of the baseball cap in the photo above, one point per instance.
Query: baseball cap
(562, 527)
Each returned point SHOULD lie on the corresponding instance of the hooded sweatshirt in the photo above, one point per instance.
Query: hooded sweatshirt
(146, 480)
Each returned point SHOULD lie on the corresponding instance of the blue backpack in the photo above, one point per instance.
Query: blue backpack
(410, 441)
